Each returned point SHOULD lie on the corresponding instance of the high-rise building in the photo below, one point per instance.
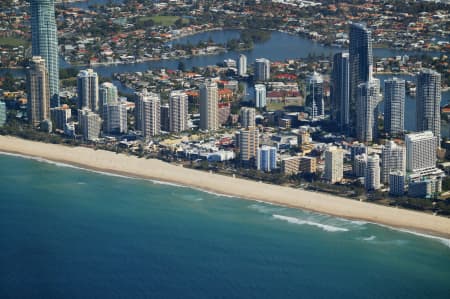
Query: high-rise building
(340, 90)
(209, 105)
(242, 71)
(361, 62)
(2, 113)
(428, 101)
(420, 151)
(60, 116)
(44, 43)
(394, 106)
(262, 69)
(115, 117)
(165, 117)
(315, 96)
(372, 177)
(87, 87)
(366, 108)
(248, 117)
(248, 145)
(147, 113)
(334, 164)
(90, 124)
(260, 96)
(266, 158)
(393, 158)
(38, 104)
(359, 165)
(397, 183)
(107, 93)
(178, 105)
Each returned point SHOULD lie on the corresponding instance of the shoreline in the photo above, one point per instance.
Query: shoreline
(162, 172)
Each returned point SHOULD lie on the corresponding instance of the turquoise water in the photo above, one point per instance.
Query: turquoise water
(70, 233)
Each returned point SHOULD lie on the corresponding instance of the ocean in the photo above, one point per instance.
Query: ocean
(72, 233)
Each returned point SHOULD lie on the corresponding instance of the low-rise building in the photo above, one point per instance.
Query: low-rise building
(290, 165)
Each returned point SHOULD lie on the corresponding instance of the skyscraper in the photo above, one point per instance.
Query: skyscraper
(260, 96)
(87, 87)
(115, 118)
(107, 93)
(262, 69)
(420, 151)
(372, 177)
(393, 158)
(366, 110)
(361, 62)
(90, 124)
(315, 96)
(266, 158)
(428, 101)
(248, 141)
(394, 106)
(38, 104)
(247, 117)
(340, 90)
(178, 115)
(209, 105)
(45, 42)
(148, 113)
(242, 65)
(334, 164)
(60, 116)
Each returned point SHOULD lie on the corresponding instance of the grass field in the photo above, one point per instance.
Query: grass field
(162, 20)
(13, 42)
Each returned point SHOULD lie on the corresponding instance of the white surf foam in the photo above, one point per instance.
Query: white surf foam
(325, 227)
(444, 241)
(371, 238)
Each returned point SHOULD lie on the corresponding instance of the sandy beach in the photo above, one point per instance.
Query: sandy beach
(157, 170)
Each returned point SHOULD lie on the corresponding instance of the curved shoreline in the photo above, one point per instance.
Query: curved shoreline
(132, 166)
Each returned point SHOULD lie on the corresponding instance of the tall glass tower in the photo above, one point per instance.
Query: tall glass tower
(45, 42)
(361, 62)
(340, 90)
(428, 102)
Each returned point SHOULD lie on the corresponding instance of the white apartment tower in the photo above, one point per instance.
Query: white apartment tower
(260, 96)
(242, 65)
(87, 87)
(334, 164)
(248, 117)
(372, 177)
(420, 151)
(90, 124)
(394, 106)
(393, 158)
(178, 111)
(315, 96)
(148, 113)
(209, 106)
